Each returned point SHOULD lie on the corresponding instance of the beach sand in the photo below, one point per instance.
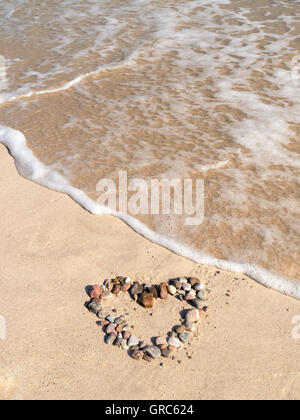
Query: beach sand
(51, 249)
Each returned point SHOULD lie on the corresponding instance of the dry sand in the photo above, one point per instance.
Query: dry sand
(51, 249)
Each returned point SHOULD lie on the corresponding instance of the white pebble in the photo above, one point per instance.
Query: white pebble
(172, 290)
(199, 286)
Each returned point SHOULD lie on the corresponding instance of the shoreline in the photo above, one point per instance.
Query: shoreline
(54, 348)
(30, 167)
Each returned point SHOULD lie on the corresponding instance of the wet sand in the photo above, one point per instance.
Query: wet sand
(51, 249)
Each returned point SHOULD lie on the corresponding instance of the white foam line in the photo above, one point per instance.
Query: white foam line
(7, 98)
(30, 167)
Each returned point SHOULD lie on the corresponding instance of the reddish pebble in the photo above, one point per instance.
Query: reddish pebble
(95, 291)
(194, 281)
(163, 291)
(119, 328)
(104, 323)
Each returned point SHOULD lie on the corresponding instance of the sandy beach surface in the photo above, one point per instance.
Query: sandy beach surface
(51, 249)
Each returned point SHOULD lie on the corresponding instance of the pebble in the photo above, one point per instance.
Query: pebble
(136, 289)
(137, 355)
(146, 300)
(142, 345)
(124, 344)
(186, 287)
(95, 291)
(190, 327)
(133, 341)
(111, 319)
(174, 342)
(163, 291)
(163, 346)
(172, 290)
(192, 315)
(126, 287)
(107, 295)
(110, 329)
(127, 280)
(101, 315)
(198, 287)
(154, 291)
(118, 342)
(184, 337)
(153, 351)
(183, 280)
(94, 307)
(147, 357)
(166, 353)
(191, 295)
(110, 338)
(127, 335)
(193, 281)
(120, 319)
(119, 328)
(180, 329)
(116, 289)
(104, 323)
(160, 341)
(202, 295)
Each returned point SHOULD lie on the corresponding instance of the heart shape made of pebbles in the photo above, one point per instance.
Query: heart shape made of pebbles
(189, 289)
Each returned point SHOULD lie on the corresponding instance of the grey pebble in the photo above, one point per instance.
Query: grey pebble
(153, 351)
(133, 341)
(184, 337)
(110, 338)
(111, 319)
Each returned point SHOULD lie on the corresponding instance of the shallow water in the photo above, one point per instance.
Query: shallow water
(184, 89)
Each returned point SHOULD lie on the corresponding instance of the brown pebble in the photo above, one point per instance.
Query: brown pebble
(147, 357)
(163, 290)
(116, 289)
(137, 355)
(127, 334)
(146, 300)
(172, 348)
(154, 292)
(136, 289)
(180, 329)
(163, 346)
(194, 281)
(119, 328)
(104, 323)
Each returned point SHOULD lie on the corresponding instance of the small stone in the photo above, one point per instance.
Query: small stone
(199, 286)
(110, 329)
(118, 342)
(104, 323)
(133, 341)
(95, 291)
(119, 328)
(180, 329)
(166, 353)
(184, 337)
(116, 289)
(120, 319)
(154, 291)
(110, 339)
(102, 315)
(124, 344)
(163, 291)
(193, 281)
(136, 289)
(126, 287)
(147, 357)
(202, 295)
(127, 280)
(111, 319)
(127, 335)
(186, 287)
(146, 300)
(174, 342)
(190, 327)
(107, 295)
(172, 290)
(192, 315)
(191, 295)
(134, 348)
(94, 307)
(153, 351)
(163, 346)
(183, 280)
(160, 341)
(137, 355)
(172, 348)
